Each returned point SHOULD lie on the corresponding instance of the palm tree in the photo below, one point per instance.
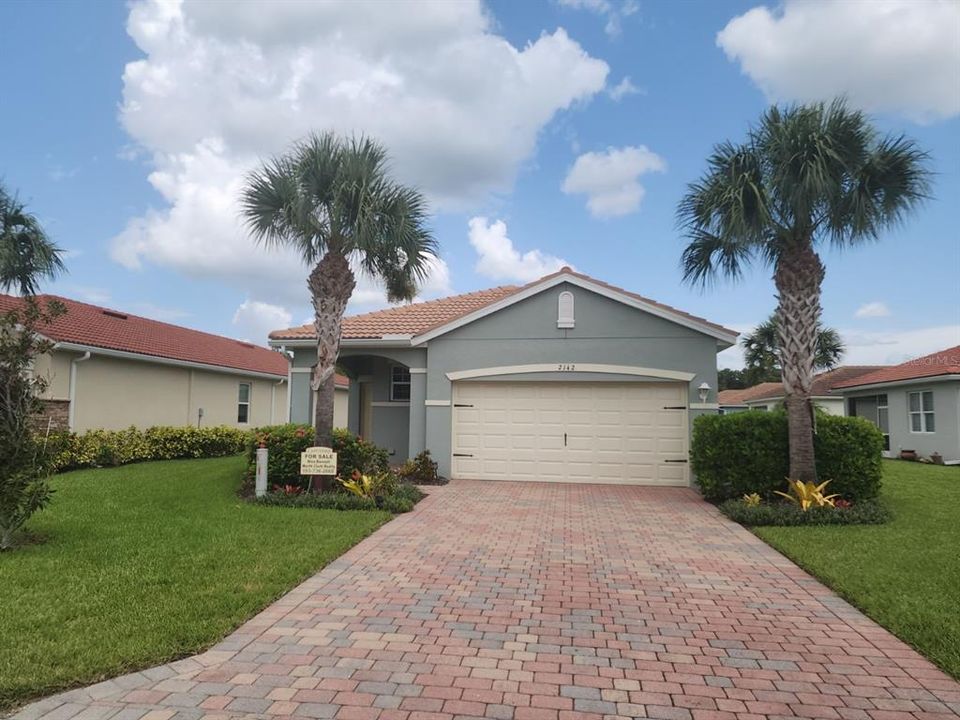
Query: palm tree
(762, 349)
(806, 176)
(27, 254)
(332, 200)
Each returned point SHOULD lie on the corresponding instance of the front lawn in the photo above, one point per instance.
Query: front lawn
(905, 574)
(141, 564)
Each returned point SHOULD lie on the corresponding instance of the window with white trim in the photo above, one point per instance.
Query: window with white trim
(399, 384)
(243, 403)
(565, 317)
(920, 406)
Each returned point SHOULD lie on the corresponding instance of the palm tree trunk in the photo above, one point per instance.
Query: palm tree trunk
(798, 276)
(331, 284)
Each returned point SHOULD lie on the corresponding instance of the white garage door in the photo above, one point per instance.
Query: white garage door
(628, 433)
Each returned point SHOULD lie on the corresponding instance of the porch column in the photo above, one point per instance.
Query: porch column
(418, 411)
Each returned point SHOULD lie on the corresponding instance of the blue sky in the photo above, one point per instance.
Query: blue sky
(543, 132)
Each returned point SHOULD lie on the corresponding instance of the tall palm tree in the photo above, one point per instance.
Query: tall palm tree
(27, 254)
(762, 348)
(332, 200)
(806, 176)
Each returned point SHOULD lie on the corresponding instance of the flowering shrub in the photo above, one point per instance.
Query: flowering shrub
(106, 448)
(865, 512)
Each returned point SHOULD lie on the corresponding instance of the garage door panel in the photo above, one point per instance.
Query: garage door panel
(615, 432)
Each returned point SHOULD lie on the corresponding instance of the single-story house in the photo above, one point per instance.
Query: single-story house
(915, 404)
(112, 370)
(769, 395)
(564, 379)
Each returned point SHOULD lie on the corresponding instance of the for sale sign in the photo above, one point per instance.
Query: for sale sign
(318, 461)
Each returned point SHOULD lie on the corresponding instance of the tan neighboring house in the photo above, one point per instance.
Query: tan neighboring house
(768, 395)
(113, 370)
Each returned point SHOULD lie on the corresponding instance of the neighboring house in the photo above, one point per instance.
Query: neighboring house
(113, 370)
(769, 395)
(916, 404)
(565, 379)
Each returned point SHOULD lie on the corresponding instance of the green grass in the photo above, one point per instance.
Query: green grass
(905, 574)
(142, 564)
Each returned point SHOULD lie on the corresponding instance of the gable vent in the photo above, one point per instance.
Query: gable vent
(565, 317)
(115, 314)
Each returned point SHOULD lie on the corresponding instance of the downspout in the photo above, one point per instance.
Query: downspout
(72, 412)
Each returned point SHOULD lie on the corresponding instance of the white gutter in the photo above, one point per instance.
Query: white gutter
(123, 354)
(72, 410)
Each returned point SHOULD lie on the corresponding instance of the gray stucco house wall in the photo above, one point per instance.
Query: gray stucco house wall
(944, 439)
(611, 341)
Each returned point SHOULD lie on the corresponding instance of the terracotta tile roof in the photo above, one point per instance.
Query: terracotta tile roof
(409, 319)
(100, 327)
(418, 318)
(823, 383)
(944, 362)
(756, 392)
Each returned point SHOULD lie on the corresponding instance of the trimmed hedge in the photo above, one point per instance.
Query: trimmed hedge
(747, 452)
(286, 442)
(867, 512)
(107, 448)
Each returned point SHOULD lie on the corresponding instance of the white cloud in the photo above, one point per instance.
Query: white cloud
(254, 320)
(623, 88)
(896, 56)
(500, 260)
(610, 179)
(612, 12)
(458, 106)
(889, 347)
(872, 310)
(896, 346)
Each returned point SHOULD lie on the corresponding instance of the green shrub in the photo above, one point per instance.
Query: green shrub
(401, 500)
(742, 453)
(866, 512)
(286, 442)
(107, 448)
(421, 470)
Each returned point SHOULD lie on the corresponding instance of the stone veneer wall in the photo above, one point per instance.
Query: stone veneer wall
(55, 415)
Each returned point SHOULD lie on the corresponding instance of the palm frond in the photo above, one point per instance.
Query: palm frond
(27, 254)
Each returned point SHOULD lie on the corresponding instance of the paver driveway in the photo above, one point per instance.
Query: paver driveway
(553, 602)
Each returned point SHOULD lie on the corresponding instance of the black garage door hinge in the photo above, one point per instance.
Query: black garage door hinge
(462, 455)
(461, 405)
(674, 407)
(675, 461)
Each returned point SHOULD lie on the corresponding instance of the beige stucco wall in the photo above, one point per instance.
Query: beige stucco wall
(114, 393)
(830, 406)
(55, 367)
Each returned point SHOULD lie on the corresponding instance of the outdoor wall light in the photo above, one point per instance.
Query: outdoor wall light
(704, 391)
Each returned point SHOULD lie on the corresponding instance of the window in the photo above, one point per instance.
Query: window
(243, 403)
(921, 412)
(565, 310)
(399, 384)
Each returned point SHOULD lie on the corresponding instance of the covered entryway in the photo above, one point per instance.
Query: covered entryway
(582, 432)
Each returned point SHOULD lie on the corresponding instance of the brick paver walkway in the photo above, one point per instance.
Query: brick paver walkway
(544, 602)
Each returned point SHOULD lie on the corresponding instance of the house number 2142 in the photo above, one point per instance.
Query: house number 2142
(563, 367)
